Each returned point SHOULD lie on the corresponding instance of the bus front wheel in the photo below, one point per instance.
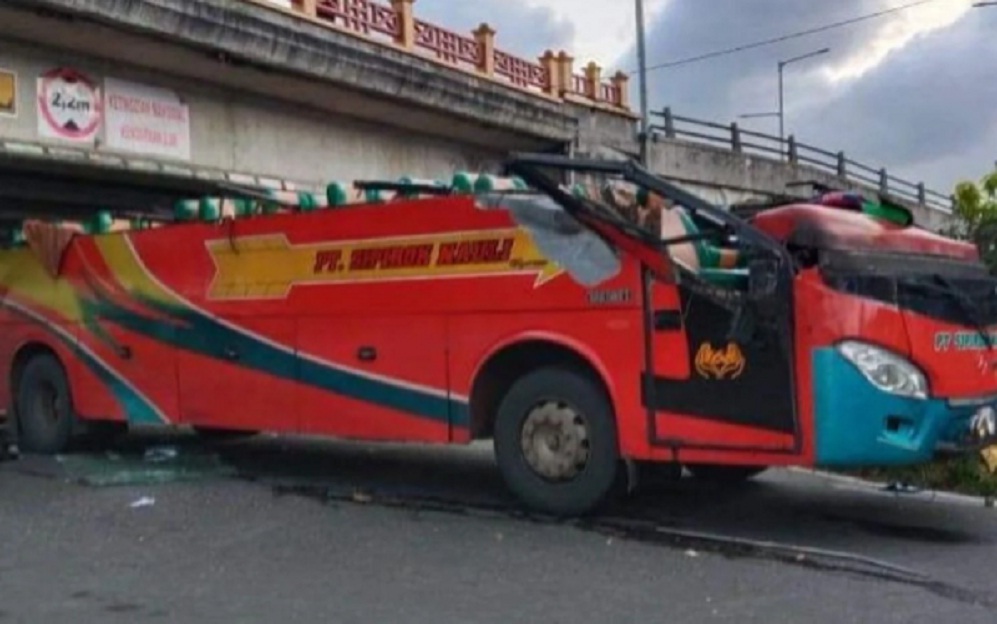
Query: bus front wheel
(44, 407)
(555, 442)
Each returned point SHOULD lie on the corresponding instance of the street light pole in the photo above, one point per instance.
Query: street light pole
(782, 106)
(782, 95)
(642, 63)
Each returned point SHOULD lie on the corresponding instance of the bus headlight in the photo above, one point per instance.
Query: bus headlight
(885, 370)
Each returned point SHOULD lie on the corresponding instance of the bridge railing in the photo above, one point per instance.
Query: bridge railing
(733, 137)
(552, 75)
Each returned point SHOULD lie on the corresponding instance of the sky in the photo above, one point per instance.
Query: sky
(914, 91)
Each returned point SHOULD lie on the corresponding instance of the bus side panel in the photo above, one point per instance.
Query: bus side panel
(242, 379)
(611, 340)
(376, 377)
(824, 317)
(805, 335)
(148, 367)
(9, 336)
(92, 396)
(133, 340)
(222, 394)
(695, 431)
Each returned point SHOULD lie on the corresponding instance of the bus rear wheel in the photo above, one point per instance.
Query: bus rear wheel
(555, 442)
(44, 407)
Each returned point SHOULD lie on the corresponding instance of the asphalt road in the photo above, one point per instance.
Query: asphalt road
(332, 532)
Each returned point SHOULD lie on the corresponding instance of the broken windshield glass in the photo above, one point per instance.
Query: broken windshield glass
(560, 237)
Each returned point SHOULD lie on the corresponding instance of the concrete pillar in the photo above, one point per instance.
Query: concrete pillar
(884, 181)
(791, 150)
(308, 7)
(406, 23)
(842, 166)
(669, 123)
(593, 80)
(552, 66)
(566, 73)
(622, 83)
(735, 138)
(485, 36)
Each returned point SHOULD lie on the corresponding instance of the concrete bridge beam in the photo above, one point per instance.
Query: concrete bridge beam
(279, 55)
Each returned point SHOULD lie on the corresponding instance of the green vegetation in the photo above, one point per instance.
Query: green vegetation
(976, 217)
(966, 475)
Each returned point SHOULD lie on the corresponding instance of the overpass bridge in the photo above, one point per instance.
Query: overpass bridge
(157, 94)
(729, 163)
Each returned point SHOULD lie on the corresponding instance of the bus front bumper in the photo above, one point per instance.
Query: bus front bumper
(859, 425)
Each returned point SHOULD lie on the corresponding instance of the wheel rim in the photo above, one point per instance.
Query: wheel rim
(555, 441)
(45, 406)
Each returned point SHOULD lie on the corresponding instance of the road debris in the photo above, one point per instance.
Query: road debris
(901, 487)
(154, 466)
(159, 454)
(362, 497)
(145, 501)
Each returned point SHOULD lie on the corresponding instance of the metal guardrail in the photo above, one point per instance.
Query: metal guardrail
(739, 140)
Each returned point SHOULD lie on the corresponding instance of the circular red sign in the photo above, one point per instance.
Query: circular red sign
(70, 104)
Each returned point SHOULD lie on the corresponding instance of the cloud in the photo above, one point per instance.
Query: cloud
(523, 29)
(913, 91)
(590, 30)
(931, 107)
(910, 91)
(604, 29)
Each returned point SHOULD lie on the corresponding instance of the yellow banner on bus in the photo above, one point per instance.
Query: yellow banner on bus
(268, 267)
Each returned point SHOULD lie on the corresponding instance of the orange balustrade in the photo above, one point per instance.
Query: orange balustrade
(551, 76)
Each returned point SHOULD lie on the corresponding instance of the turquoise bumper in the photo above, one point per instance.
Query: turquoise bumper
(858, 425)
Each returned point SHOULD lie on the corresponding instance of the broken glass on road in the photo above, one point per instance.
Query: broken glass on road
(154, 466)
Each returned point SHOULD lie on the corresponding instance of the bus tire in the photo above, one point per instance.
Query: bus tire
(44, 407)
(725, 474)
(556, 443)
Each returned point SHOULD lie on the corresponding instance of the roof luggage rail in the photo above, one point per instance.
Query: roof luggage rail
(403, 187)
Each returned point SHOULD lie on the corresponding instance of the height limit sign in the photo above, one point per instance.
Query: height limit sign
(69, 106)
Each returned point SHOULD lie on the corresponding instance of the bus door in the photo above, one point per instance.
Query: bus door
(721, 356)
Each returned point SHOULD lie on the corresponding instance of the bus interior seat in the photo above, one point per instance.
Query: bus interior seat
(717, 265)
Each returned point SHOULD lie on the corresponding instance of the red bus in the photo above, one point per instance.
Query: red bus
(583, 315)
